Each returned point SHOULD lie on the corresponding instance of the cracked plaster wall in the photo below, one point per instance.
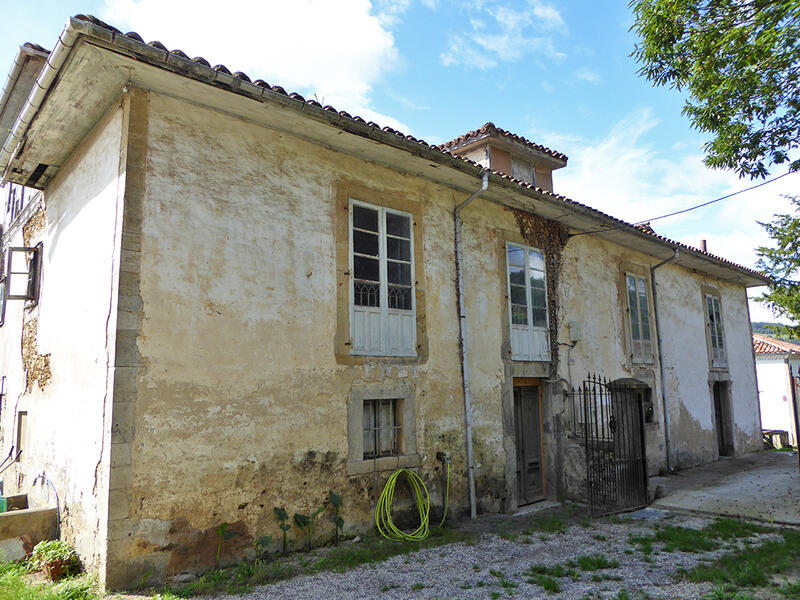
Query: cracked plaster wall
(59, 374)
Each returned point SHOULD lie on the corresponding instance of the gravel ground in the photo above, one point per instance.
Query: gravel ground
(463, 570)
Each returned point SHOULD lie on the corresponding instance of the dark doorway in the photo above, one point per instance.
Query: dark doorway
(528, 436)
(722, 418)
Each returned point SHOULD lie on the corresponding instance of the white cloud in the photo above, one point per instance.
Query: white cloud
(626, 175)
(503, 34)
(587, 75)
(337, 50)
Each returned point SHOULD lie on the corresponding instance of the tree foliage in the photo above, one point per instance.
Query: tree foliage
(782, 264)
(738, 61)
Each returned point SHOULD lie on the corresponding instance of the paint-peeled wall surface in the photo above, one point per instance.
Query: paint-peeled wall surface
(60, 379)
(690, 375)
(244, 400)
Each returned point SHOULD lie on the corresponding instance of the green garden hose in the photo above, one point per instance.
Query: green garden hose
(383, 511)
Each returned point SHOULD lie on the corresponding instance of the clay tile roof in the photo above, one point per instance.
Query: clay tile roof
(645, 227)
(763, 344)
(446, 148)
(491, 129)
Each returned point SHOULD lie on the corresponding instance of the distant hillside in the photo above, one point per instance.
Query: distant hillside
(763, 327)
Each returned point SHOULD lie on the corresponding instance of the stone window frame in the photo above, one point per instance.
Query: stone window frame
(408, 456)
(398, 200)
(706, 290)
(629, 268)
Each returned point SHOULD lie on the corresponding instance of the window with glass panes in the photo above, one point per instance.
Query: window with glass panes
(714, 320)
(382, 428)
(527, 299)
(383, 318)
(639, 319)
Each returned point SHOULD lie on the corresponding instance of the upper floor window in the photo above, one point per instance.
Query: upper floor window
(382, 312)
(639, 319)
(527, 303)
(523, 170)
(719, 356)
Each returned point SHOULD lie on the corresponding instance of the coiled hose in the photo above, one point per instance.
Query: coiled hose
(383, 511)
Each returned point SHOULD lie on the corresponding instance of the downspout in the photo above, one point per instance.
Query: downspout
(664, 403)
(36, 98)
(464, 341)
(793, 397)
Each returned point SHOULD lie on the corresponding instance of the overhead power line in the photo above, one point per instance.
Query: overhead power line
(685, 210)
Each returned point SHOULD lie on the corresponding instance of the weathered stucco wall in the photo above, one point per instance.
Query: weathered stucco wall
(688, 371)
(241, 401)
(234, 390)
(69, 344)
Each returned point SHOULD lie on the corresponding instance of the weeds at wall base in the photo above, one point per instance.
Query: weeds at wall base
(244, 577)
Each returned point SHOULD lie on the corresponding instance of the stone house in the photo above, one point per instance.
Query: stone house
(774, 360)
(229, 298)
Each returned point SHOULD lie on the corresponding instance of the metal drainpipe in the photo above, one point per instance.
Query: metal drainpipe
(36, 98)
(665, 407)
(462, 326)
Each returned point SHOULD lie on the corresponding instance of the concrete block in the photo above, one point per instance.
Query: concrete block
(36, 523)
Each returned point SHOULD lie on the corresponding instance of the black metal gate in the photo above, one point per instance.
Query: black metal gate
(613, 426)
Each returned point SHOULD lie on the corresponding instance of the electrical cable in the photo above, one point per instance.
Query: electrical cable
(383, 510)
(685, 210)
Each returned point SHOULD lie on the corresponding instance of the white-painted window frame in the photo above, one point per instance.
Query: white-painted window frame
(383, 311)
(645, 354)
(538, 337)
(716, 331)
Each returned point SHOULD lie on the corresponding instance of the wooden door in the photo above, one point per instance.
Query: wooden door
(528, 434)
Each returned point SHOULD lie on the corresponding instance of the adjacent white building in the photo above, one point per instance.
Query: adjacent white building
(774, 358)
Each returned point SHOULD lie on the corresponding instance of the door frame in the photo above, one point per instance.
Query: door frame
(530, 382)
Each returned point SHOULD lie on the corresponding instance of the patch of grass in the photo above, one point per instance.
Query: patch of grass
(596, 562)
(545, 582)
(13, 586)
(727, 593)
(555, 571)
(752, 566)
(494, 595)
(417, 586)
(600, 538)
(241, 578)
(388, 587)
(597, 577)
(726, 529)
(548, 524)
(791, 591)
(501, 577)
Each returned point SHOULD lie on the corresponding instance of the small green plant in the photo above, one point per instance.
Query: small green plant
(283, 517)
(223, 535)
(336, 502)
(56, 558)
(596, 562)
(418, 586)
(261, 546)
(548, 524)
(306, 524)
(545, 582)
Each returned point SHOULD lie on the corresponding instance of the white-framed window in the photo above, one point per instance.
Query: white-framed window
(382, 312)
(527, 303)
(523, 170)
(639, 318)
(719, 356)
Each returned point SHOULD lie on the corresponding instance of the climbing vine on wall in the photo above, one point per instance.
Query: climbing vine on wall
(549, 237)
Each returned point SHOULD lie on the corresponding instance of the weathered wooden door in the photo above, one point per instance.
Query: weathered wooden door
(528, 433)
(722, 417)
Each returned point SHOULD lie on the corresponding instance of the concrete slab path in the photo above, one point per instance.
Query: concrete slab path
(763, 486)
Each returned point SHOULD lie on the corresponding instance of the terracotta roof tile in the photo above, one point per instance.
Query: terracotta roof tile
(445, 148)
(763, 344)
(491, 129)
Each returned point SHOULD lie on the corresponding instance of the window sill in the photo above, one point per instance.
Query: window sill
(385, 463)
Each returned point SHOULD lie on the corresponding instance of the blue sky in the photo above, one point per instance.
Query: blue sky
(558, 73)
